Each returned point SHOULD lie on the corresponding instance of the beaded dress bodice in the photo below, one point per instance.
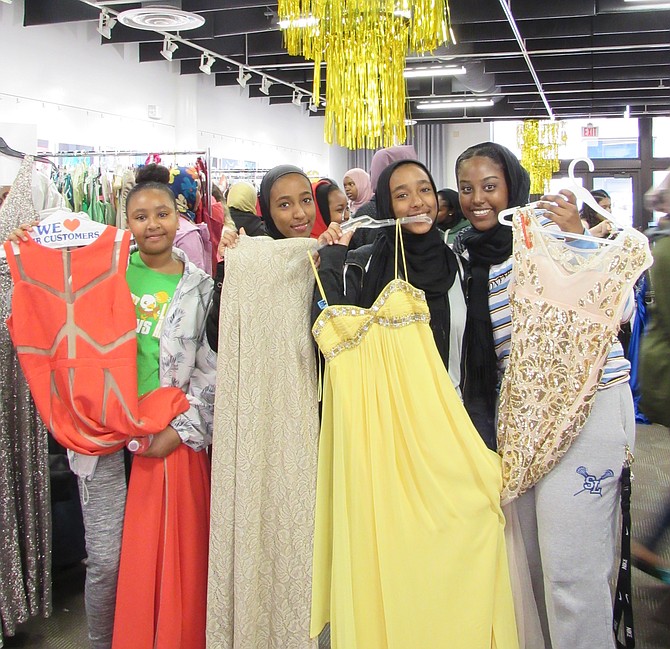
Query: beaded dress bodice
(566, 302)
(340, 328)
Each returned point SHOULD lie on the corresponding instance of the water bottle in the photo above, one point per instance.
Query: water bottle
(139, 444)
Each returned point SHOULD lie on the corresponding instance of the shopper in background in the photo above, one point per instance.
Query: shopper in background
(570, 541)
(654, 380)
(593, 221)
(193, 238)
(331, 202)
(654, 366)
(357, 187)
(242, 205)
(450, 218)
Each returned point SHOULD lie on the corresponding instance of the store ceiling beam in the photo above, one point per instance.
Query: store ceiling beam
(38, 12)
(581, 61)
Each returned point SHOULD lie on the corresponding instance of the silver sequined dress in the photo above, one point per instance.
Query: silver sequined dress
(25, 510)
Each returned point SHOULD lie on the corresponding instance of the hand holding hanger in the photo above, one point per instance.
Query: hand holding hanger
(562, 209)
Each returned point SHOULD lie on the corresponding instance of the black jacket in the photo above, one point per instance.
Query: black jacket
(253, 225)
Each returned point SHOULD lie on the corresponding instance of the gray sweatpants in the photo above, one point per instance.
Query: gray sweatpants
(103, 503)
(570, 522)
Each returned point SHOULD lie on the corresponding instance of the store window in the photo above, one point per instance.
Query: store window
(585, 138)
(660, 133)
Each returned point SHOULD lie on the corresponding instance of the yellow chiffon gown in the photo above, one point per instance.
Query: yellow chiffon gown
(409, 548)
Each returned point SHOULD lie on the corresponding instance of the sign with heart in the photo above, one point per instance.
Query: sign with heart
(67, 230)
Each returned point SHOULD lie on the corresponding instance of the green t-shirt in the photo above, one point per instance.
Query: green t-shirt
(152, 293)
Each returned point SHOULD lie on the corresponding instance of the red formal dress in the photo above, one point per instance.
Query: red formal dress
(73, 325)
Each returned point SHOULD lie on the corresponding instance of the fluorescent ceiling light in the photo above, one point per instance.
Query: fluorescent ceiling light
(308, 21)
(443, 104)
(410, 122)
(433, 71)
(169, 48)
(647, 6)
(243, 77)
(106, 23)
(206, 63)
(265, 85)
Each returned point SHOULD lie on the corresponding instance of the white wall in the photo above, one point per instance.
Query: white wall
(76, 91)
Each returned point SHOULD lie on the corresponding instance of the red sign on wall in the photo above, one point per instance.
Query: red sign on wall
(589, 131)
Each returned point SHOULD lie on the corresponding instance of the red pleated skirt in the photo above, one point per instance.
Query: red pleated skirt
(162, 588)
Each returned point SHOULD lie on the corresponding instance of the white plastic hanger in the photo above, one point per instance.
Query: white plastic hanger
(584, 194)
(581, 193)
(63, 229)
(368, 222)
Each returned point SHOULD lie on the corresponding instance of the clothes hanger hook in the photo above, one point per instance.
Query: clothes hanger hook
(584, 194)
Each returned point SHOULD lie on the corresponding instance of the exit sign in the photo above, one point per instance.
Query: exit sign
(589, 131)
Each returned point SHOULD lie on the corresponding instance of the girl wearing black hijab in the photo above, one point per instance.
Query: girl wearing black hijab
(404, 188)
(288, 210)
(490, 179)
(570, 580)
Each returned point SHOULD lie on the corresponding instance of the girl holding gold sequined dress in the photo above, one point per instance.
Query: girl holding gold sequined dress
(567, 497)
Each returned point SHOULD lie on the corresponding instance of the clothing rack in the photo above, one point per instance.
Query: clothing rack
(138, 154)
(118, 154)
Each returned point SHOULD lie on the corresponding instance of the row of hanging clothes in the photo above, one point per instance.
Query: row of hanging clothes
(98, 183)
(227, 177)
(25, 489)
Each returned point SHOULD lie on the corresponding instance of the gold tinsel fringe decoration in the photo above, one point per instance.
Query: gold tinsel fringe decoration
(539, 142)
(364, 44)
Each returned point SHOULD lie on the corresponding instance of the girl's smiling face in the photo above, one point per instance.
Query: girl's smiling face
(412, 194)
(482, 190)
(292, 206)
(153, 220)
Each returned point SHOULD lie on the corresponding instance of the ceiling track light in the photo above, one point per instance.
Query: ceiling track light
(206, 63)
(243, 77)
(169, 48)
(265, 85)
(106, 23)
(425, 71)
(297, 98)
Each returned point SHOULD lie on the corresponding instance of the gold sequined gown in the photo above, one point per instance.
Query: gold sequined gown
(25, 510)
(409, 548)
(566, 302)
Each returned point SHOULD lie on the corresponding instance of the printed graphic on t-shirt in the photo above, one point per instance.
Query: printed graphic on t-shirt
(151, 309)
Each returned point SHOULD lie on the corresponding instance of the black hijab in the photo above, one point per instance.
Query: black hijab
(269, 179)
(431, 265)
(485, 249)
